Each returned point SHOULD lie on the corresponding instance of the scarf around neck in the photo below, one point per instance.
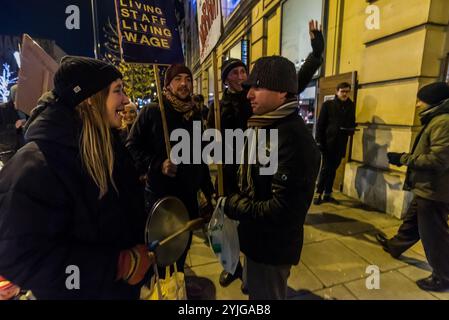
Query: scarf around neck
(187, 108)
(246, 183)
(271, 117)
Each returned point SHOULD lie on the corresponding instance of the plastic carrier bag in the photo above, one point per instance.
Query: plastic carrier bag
(224, 238)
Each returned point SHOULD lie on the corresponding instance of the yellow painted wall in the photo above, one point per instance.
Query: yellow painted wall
(274, 33)
(379, 103)
(331, 39)
(439, 11)
(392, 64)
(398, 15)
(352, 39)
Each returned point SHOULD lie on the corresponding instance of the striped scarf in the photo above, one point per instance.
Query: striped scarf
(269, 118)
(187, 108)
(246, 184)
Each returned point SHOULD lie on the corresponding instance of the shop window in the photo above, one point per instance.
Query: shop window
(295, 28)
(228, 8)
(307, 102)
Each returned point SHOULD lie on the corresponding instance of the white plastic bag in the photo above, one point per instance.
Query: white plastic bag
(224, 238)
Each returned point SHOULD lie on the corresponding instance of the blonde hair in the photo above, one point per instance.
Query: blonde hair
(96, 146)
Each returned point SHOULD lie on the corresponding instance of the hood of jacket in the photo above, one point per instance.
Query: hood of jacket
(53, 121)
(434, 111)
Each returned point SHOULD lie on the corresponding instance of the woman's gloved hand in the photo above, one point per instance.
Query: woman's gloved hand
(134, 263)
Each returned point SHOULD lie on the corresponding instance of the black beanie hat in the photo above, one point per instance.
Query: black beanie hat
(79, 78)
(435, 93)
(230, 64)
(173, 71)
(274, 73)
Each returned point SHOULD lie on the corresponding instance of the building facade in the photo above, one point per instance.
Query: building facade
(393, 46)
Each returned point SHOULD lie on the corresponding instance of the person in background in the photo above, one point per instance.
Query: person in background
(335, 124)
(12, 122)
(129, 114)
(201, 107)
(427, 178)
(235, 110)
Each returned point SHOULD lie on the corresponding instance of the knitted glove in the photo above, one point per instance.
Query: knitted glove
(8, 290)
(395, 158)
(134, 263)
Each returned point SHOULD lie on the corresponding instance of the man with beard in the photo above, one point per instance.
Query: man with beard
(147, 146)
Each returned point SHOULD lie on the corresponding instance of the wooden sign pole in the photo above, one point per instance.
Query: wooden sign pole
(161, 105)
(217, 120)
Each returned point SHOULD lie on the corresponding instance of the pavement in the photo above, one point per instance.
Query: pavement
(339, 254)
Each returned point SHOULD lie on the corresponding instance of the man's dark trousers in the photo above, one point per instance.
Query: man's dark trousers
(425, 220)
(331, 162)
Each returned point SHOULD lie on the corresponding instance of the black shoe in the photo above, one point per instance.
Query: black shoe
(317, 199)
(329, 198)
(384, 243)
(433, 283)
(227, 278)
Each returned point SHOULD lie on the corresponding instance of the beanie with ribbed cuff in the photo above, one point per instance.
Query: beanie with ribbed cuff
(274, 73)
(79, 78)
(434, 93)
(230, 64)
(173, 71)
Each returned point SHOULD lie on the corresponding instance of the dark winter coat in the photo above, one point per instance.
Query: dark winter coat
(147, 146)
(235, 109)
(51, 217)
(271, 224)
(335, 118)
(428, 163)
(271, 228)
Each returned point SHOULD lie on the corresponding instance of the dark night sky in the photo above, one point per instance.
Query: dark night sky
(46, 19)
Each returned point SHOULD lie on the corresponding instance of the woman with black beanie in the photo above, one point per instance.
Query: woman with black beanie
(71, 214)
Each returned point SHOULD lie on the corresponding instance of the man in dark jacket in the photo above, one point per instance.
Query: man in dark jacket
(235, 110)
(428, 178)
(335, 123)
(147, 146)
(272, 208)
